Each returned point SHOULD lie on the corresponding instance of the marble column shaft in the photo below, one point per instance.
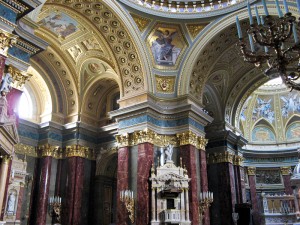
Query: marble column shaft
(3, 183)
(122, 183)
(222, 183)
(19, 204)
(240, 185)
(287, 184)
(204, 183)
(58, 178)
(252, 185)
(188, 154)
(2, 65)
(145, 160)
(43, 190)
(74, 190)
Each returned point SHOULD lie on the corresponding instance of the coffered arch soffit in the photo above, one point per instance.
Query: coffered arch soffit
(117, 44)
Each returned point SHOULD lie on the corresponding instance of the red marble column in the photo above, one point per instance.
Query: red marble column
(204, 182)
(2, 65)
(285, 171)
(74, 190)
(145, 160)
(122, 183)
(58, 178)
(19, 205)
(240, 184)
(13, 98)
(43, 190)
(253, 194)
(6, 188)
(188, 154)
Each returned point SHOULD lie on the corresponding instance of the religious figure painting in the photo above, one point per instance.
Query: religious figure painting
(290, 104)
(293, 131)
(262, 134)
(166, 44)
(264, 108)
(60, 24)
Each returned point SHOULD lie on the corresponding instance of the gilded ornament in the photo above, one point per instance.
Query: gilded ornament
(7, 40)
(251, 171)
(19, 78)
(190, 138)
(238, 160)
(165, 84)
(6, 159)
(141, 22)
(48, 150)
(78, 151)
(194, 29)
(221, 157)
(25, 150)
(285, 170)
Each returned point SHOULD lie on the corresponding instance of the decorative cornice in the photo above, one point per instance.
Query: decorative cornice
(251, 171)
(55, 151)
(190, 138)
(149, 136)
(285, 170)
(238, 160)
(221, 157)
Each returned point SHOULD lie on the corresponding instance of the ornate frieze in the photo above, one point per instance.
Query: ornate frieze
(251, 171)
(285, 170)
(55, 151)
(268, 176)
(150, 136)
(221, 157)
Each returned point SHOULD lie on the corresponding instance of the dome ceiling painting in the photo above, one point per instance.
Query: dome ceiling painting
(271, 115)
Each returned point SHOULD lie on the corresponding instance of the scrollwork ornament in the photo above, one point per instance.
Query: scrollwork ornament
(6, 41)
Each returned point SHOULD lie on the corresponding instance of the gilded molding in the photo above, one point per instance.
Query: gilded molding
(79, 151)
(221, 157)
(6, 159)
(285, 170)
(55, 151)
(165, 84)
(238, 160)
(25, 150)
(149, 136)
(251, 171)
(190, 138)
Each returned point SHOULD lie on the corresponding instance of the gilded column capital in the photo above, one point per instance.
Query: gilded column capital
(79, 151)
(19, 77)
(25, 150)
(48, 150)
(123, 140)
(6, 159)
(143, 136)
(285, 170)
(238, 160)
(6, 41)
(221, 157)
(190, 138)
(251, 171)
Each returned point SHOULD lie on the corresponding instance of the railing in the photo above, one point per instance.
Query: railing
(171, 215)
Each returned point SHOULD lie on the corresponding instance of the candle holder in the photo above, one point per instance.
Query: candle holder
(206, 198)
(126, 196)
(55, 209)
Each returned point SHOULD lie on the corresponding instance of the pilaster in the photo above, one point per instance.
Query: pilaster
(251, 171)
(286, 176)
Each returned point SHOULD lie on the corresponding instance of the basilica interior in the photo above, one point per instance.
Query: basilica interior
(117, 112)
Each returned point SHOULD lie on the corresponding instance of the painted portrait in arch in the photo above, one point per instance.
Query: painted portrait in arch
(293, 131)
(60, 23)
(166, 44)
(263, 134)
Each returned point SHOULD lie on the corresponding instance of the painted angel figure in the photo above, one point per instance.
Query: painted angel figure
(162, 47)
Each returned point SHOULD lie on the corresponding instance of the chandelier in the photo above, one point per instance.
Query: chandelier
(274, 41)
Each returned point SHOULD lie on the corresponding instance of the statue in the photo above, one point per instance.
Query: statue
(162, 157)
(6, 83)
(169, 152)
(11, 203)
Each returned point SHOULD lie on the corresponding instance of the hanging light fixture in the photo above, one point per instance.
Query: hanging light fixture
(271, 42)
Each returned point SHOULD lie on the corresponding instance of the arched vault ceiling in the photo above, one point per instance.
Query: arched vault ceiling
(111, 40)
